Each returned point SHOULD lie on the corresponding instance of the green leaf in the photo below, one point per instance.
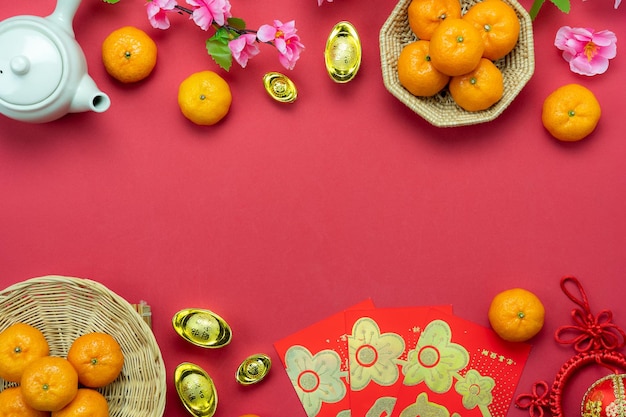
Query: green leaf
(217, 48)
(222, 35)
(534, 10)
(563, 5)
(111, 1)
(236, 22)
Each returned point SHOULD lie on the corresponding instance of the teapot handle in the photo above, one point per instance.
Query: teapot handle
(64, 13)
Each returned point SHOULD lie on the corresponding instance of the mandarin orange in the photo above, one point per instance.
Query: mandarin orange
(571, 112)
(498, 25)
(87, 403)
(97, 358)
(49, 383)
(456, 47)
(12, 404)
(204, 98)
(416, 73)
(425, 15)
(20, 344)
(129, 54)
(516, 315)
(478, 89)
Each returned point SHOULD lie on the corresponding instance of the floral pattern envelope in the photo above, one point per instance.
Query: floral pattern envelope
(458, 368)
(401, 362)
(316, 361)
(379, 341)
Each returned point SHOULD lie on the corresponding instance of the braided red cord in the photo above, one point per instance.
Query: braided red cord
(591, 332)
(536, 401)
(604, 358)
(596, 340)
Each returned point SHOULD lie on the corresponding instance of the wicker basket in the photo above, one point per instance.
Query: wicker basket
(64, 308)
(441, 110)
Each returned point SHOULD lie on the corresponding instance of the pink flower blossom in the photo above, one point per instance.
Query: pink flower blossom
(588, 52)
(285, 40)
(157, 12)
(243, 48)
(208, 11)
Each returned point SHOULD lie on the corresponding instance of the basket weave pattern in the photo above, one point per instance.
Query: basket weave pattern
(441, 110)
(64, 308)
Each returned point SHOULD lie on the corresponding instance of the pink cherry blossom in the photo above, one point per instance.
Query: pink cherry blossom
(588, 52)
(243, 48)
(206, 12)
(157, 12)
(285, 40)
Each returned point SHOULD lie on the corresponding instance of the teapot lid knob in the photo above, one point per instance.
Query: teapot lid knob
(20, 64)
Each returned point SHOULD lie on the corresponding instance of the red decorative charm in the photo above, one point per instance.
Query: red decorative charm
(605, 398)
(593, 332)
(596, 339)
(536, 401)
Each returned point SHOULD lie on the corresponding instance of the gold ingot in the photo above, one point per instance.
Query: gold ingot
(202, 328)
(280, 87)
(343, 52)
(253, 369)
(195, 389)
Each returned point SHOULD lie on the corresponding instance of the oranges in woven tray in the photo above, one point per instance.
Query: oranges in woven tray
(461, 47)
(53, 383)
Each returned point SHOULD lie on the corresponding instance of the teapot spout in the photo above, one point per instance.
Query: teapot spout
(89, 98)
(64, 13)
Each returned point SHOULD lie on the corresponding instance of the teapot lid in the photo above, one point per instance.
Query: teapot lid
(31, 63)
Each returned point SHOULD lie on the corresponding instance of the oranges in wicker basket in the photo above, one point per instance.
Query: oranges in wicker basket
(502, 25)
(63, 309)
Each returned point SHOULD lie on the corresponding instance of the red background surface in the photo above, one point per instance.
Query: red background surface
(282, 215)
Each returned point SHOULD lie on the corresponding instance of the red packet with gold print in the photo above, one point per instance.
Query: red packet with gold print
(378, 342)
(316, 361)
(459, 368)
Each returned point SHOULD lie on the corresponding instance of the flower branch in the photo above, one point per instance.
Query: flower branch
(232, 40)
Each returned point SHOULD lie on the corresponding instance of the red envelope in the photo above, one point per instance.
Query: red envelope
(378, 342)
(459, 367)
(316, 361)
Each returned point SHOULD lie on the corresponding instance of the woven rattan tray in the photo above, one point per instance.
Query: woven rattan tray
(441, 110)
(64, 308)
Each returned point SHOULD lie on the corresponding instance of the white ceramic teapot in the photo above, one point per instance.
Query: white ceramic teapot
(43, 71)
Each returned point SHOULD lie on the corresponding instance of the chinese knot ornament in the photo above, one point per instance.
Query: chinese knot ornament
(596, 341)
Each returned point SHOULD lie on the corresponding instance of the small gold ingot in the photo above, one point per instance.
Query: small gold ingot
(253, 369)
(343, 52)
(202, 328)
(196, 389)
(280, 87)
